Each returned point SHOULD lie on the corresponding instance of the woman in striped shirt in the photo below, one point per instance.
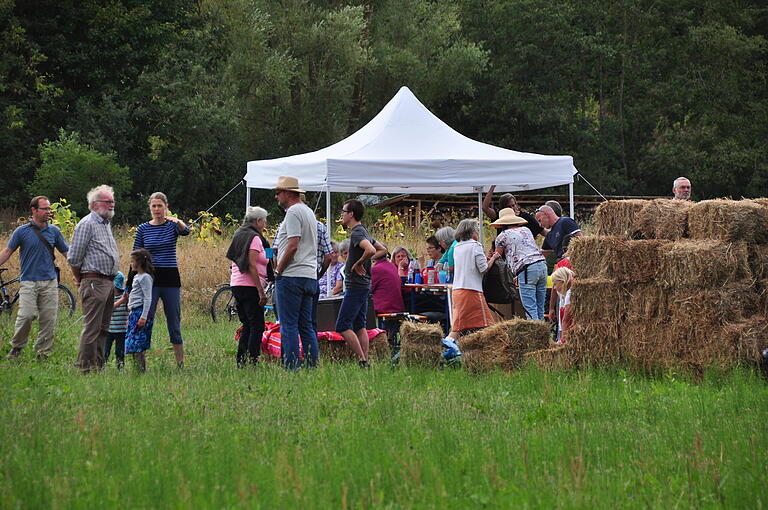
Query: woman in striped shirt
(159, 236)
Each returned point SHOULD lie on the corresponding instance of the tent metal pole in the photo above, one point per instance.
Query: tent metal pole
(570, 199)
(247, 197)
(328, 211)
(480, 214)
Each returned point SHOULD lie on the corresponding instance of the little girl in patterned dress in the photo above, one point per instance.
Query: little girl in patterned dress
(138, 336)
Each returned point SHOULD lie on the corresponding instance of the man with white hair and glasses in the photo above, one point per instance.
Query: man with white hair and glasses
(95, 260)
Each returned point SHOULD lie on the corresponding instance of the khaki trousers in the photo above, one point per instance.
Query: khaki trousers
(97, 296)
(37, 299)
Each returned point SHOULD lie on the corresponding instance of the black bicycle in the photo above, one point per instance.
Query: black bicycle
(9, 297)
(224, 304)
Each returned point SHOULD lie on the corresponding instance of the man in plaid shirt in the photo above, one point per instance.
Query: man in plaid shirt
(95, 260)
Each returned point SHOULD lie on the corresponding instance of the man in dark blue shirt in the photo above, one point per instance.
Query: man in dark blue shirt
(560, 233)
(38, 292)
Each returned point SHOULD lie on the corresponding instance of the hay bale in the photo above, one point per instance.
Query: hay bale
(727, 303)
(610, 257)
(751, 338)
(762, 202)
(729, 220)
(618, 218)
(664, 218)
(378, 349)
(420, 344)
(598, 299)
(647, 301)
(503, 345)
(712, 263)
(594, 342)
(553, 359)
(758, 260)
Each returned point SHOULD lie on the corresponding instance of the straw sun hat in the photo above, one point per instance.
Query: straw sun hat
(508, 217)
(288, 183)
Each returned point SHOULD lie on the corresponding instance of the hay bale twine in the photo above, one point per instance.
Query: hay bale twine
(503, 345)
(555, 358)
(598, 299)
(664, 218)
(618, 218)
(729, 220)
(420, 344)
(710, 263)
(594, 343)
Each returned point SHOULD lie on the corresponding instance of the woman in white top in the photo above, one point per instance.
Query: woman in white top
(469, 310)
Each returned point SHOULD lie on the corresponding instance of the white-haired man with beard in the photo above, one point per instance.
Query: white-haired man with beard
(95, 260)
(681, 188)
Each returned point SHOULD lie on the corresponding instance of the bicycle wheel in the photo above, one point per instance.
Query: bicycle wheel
(223, 305)
(67, 302)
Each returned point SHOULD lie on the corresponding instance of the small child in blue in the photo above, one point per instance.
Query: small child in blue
(138, 336)
(118, 323)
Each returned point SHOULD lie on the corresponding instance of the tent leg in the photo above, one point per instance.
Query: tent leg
(247, 198)
(570, 199)
(328, 211)
(480, 214)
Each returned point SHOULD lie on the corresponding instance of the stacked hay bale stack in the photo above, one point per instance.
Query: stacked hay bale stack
(672, 283)
(503, 345)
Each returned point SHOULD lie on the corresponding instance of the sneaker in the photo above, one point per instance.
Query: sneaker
(363, 364)
(14, 354)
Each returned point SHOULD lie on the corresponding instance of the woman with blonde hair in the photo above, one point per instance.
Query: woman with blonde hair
(562, 280)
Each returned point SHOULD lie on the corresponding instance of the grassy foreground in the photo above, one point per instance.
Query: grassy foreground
(212, 436)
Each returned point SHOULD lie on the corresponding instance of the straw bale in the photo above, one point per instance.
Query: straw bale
(420, 344)
(709, 262)
(762, 289)
(719, 304)
(729, 220)
(758, 260)
(378, 349)
(594, 342)
(553, 359)
(664, 218)
(647, 301)
(596, 299)
(763, 202)
(503, 345)
(590, 255)
(751, 338)
(613, 257)
(618, 218)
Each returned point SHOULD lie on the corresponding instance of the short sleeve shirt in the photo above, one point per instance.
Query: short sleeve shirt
(519, 248)
(36, 261)
(352, 280)
(560, 236)
(299, 222)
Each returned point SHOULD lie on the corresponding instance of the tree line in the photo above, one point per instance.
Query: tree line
(178, 95)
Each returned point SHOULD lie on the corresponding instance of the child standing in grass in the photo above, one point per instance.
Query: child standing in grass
(562, 281)
(139, 333)
(118, 323)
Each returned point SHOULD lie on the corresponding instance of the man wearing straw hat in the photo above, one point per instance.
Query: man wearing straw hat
(296, 274)
(681, 188)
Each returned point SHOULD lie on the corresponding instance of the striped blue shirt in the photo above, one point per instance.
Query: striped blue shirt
(160, 241)
(119, 320)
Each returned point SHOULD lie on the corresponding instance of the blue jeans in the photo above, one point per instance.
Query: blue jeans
(533, 289)
(295, 300)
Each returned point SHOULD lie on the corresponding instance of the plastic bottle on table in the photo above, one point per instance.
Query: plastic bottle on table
(417, 272)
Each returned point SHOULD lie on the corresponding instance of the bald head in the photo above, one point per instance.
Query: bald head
(681, 188)
(546, 216)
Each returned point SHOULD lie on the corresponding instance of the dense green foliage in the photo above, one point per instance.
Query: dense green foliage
(213, 436)
(185, 92)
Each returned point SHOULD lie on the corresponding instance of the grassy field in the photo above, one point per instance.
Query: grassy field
(212, 436)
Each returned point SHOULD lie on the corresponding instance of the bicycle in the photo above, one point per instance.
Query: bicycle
(8, 298)
(224, 304)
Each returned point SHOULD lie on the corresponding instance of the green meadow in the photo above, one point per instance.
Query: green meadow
(213, 436)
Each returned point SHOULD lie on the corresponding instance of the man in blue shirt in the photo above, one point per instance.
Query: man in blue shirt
(559, 231)
(38, 293)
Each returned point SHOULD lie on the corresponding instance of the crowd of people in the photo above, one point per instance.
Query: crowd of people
(304, 265)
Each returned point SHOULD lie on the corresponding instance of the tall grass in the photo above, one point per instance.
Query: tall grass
(212, 436)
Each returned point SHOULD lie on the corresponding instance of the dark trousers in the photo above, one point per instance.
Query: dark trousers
(119, 340)
(251, 314)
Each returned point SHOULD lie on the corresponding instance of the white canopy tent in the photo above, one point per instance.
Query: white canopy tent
(407, 149)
